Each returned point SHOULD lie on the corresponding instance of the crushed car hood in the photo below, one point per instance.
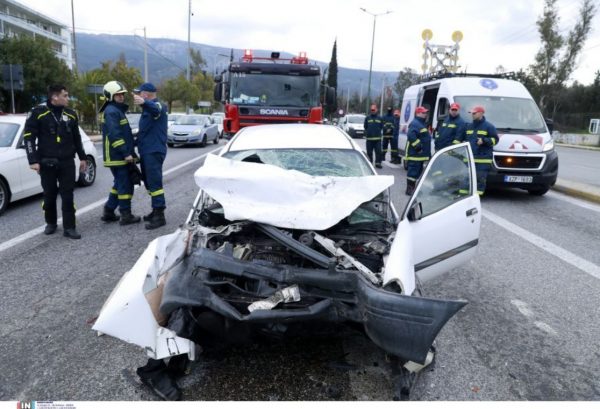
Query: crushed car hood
(284, 198)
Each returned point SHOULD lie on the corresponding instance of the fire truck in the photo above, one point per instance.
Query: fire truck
(271, 90)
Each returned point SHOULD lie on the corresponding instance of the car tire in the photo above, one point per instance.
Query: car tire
(216, 140)
(204, 141)
(4, 196)
(170, 145)
(540, 191)
(89, 176)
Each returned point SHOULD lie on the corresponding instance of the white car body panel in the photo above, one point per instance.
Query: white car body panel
(284, 198)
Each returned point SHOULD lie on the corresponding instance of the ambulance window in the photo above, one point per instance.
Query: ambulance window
(442, 109)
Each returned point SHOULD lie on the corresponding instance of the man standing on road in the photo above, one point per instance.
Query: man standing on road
(388, 134)
(118, 148)
(418, 148)
(482, 136)
(395, 156)
(52, 139)
(373, 127)
(152, 146)
(451, 130)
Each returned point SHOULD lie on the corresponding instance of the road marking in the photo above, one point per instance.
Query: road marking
(572, 200)
(34, 232)
(565, 255)
(391, 165)
(522, 307)
(546, 328)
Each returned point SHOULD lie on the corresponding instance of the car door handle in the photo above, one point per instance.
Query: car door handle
(472, 212)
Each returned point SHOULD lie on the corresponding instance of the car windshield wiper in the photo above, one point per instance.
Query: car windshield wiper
(509, 130)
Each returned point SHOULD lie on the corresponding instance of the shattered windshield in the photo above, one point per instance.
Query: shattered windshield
(315, 162)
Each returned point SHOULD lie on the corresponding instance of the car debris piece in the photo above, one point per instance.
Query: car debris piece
(285, 295)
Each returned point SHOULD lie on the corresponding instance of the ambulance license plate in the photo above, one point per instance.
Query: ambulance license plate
(518, 179)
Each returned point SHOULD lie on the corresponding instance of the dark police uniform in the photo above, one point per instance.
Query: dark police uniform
(484, 153)
(373, 129)
(52, 139)
(152, 146)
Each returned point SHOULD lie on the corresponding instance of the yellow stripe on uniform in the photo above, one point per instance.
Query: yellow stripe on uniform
(482, 133)
(157, 192)
(45, 113)
(123, 122)
(68, 114)
(124, 197)
(470, 132)
(117, 143)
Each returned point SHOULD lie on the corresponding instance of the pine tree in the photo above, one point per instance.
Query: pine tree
(332, 73)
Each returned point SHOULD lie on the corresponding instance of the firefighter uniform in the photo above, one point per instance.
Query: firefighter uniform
(373, 129)
(482, 136)
(395, 156)
(52, 139)
(117, 144)
(449, 132)
(152, 146)
(418, 150)
(388, 135)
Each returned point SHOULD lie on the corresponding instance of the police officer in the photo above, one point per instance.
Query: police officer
(373, 128)
(418, 148)
(118, 148)
(52, 139)
(388, 134)
(482, 136)
(152, 146)
(395, 156)
(451, 129)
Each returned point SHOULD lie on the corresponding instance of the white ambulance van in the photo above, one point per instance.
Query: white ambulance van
(524, 157)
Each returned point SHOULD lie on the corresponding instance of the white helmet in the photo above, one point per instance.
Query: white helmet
(111, 89)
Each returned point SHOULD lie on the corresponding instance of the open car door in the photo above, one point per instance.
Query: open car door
(443, 216)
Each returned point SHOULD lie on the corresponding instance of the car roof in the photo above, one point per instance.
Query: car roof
(13, 118)
(291, 136)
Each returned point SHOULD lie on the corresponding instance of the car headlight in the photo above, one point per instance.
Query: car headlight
(548, 146)
(196, 132)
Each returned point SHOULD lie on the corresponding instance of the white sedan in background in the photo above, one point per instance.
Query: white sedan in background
(17, 180)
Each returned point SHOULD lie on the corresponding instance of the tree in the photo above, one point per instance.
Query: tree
(406, 78)
(41, 67)
(197, 62)
(557, 57)
(332, 74)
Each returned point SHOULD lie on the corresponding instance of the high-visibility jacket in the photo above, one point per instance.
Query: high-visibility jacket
(485, 131)
(388, 125)
(449, 132)
(418, 141)
(373, 127)
(117, 139)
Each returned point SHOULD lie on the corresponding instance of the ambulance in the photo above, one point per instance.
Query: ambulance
(524, 157)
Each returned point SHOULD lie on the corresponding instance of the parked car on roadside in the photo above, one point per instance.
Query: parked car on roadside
(193, 130)
(172, 117)
(293, 226)
(17, 181)
(134, 122)
(219, 121)
(353, 125)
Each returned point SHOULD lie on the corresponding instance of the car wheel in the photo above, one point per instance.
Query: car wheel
(216, 140)
(170, 145)
(204, 141)
(4, 196)
(540, 191)
(88, 177)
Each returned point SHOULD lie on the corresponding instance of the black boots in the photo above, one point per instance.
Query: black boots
(410, 187)
(156, 219)
(50, 229)
(72, 234)
(109, 215)
(127, 217)
(148, 217)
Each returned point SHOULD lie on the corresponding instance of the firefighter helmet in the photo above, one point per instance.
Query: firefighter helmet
(111, 89)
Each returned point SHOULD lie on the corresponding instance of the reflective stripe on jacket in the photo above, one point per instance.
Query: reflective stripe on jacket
(418, 141)
(489, 136)
(117, 139)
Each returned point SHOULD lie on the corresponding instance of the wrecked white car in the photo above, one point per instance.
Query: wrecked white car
(293, 225)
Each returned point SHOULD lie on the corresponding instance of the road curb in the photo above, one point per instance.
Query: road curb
(578, 190)
(566, 145)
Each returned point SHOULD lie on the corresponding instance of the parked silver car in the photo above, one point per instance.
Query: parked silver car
(193, 130)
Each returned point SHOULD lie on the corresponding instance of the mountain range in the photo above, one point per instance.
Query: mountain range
(167, 58)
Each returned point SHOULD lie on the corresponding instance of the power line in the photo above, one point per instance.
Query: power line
(159, 54)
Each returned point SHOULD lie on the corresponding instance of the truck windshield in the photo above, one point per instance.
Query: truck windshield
(275, 90)
(505, 113)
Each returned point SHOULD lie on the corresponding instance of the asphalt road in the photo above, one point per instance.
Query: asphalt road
(580, 165)
(530, 331)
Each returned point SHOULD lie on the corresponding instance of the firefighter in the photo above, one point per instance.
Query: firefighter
(152, 147)
(418, 148)
(118, 148)
(52, 140)
(388, 134)
(451, 129)
(395, 156)
(482, 136)
(373, 128)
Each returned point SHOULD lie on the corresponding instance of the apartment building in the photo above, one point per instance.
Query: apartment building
(17, 19)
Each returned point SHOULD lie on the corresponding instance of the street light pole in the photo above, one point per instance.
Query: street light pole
(145, 56)
(372, 48)
(189, 46)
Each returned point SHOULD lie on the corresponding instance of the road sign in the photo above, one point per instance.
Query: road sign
(94, 88)
(12, 76)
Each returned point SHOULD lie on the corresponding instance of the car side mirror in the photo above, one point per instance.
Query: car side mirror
(550, 125)
(415, 212)
(218, 92)
(218, 78)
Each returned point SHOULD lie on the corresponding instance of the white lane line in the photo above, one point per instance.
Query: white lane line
(34, 232)
(572, 200)
(522, 307)
(546, 328)
(391, 165)
(565, 255)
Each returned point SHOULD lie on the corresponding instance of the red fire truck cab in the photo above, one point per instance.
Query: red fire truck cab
(273, 90)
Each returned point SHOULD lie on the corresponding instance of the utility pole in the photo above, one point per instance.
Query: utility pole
(189, 46)
(372, 47)
(347, 99)
(361, 90)
(382, 91)
(74, 41)
(145, 56)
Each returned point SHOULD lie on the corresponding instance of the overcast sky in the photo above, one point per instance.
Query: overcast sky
(496, 32)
